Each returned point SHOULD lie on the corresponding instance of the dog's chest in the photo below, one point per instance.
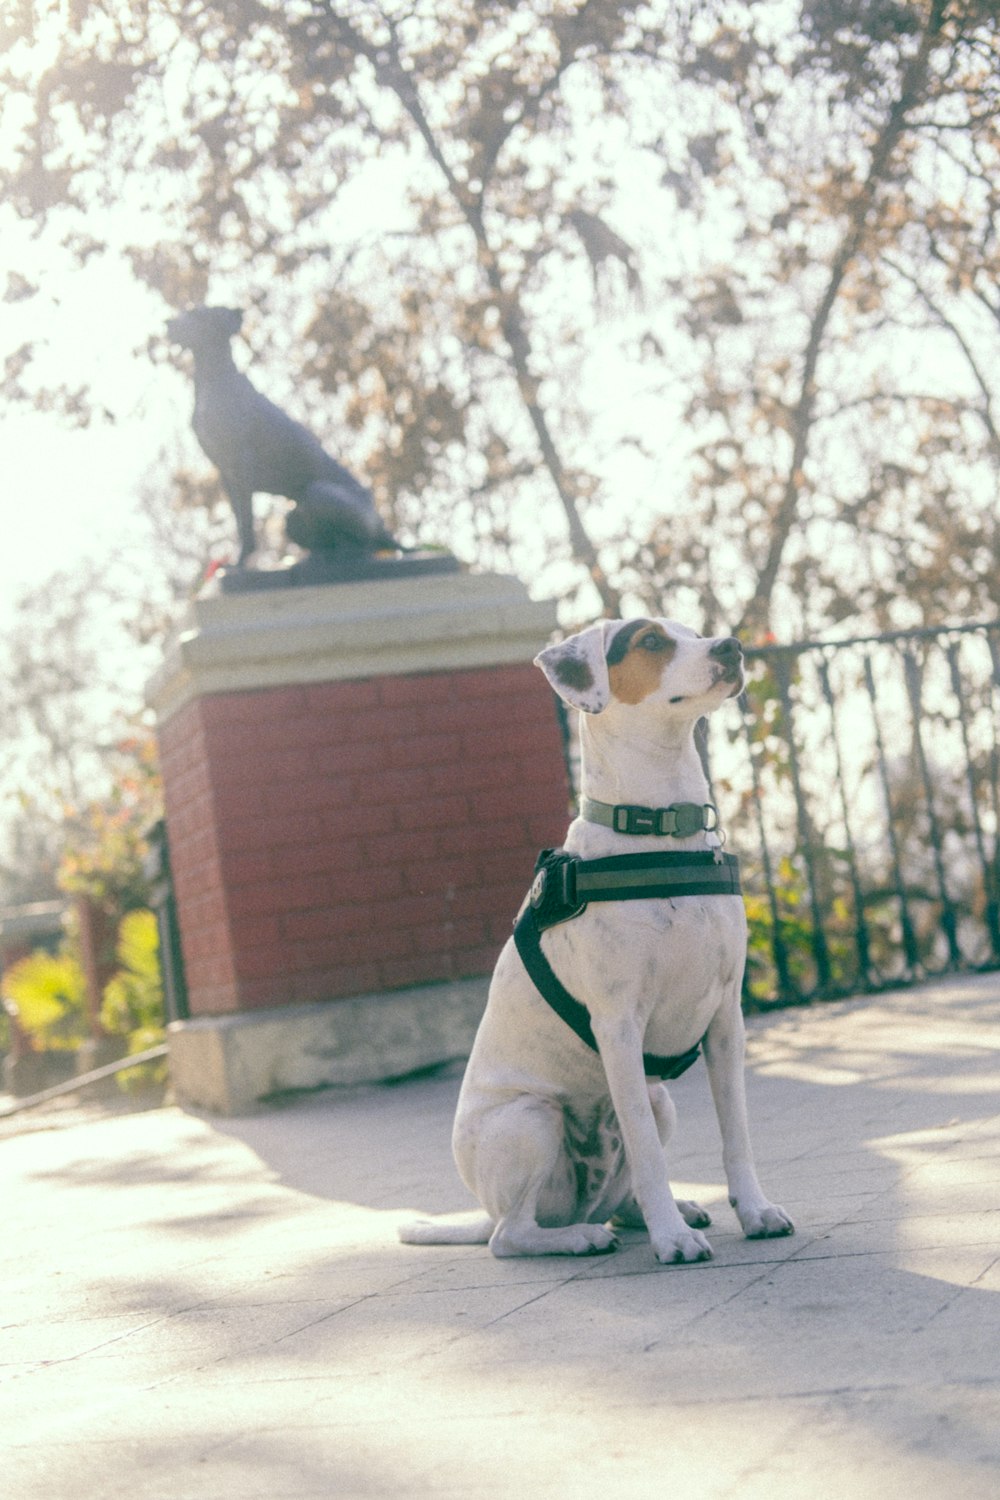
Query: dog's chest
(223, 420)
(668, 962)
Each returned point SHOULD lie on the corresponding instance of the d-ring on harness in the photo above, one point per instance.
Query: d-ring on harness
(564, 885)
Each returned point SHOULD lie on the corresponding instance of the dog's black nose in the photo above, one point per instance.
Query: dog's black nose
(728, 651)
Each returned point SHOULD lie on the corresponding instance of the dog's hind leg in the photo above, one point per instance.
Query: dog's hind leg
(519, 1169)
(349, 508)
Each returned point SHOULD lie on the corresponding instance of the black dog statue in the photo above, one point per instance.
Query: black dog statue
(256, 447)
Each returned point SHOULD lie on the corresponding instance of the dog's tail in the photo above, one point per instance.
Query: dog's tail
(466, 1229)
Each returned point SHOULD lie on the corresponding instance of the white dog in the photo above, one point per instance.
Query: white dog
(558, 1133)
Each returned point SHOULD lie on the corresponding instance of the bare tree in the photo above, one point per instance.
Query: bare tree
(686, 307)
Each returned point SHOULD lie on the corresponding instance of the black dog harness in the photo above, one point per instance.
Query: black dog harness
(563, 887)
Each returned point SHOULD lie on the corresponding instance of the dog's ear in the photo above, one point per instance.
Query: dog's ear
(577, 668)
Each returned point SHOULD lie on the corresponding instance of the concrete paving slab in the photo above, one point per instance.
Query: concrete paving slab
(197, 1309)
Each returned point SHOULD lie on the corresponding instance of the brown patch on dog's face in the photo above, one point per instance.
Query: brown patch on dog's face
(636, 660)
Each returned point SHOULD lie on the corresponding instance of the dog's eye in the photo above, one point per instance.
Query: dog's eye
(653, 642)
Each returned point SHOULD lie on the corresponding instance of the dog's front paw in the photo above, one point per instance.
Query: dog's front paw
(683, 1248)
(765, 1221)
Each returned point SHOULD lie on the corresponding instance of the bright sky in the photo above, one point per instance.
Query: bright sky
(66, 490)
(71, 491)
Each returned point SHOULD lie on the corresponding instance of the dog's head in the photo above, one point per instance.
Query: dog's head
(204, 327)
(652, 662)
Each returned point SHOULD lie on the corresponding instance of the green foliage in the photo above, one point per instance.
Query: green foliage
(46, 994)
(105, 849)
(104, 854)
(133, 999)
(102, 865)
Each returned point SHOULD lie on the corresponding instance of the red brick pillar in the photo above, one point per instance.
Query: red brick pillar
(357, 781)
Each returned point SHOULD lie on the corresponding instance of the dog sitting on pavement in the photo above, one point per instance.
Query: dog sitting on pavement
(626, 959)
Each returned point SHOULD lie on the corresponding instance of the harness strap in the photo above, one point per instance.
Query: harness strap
(564, 884)
(562, 888)
(527, 937)
(625, 877)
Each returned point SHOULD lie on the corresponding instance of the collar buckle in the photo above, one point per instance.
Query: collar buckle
(680, 820)
(627, 819)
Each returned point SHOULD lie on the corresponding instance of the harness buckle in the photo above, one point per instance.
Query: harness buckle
(553, 895)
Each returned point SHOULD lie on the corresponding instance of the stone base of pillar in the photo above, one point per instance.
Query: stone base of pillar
(229, 1064)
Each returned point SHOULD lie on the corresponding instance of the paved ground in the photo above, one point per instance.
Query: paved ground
(197, 1309)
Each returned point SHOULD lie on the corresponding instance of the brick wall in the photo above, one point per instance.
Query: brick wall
(347, 837)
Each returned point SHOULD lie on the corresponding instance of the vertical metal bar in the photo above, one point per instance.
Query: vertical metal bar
(779, 952)
(156, 868)
(981, 786)
(572, 768)
(913, 676)
(862, 939)
(910, 947)
(993, 641)
(804, 824)
(989, 883)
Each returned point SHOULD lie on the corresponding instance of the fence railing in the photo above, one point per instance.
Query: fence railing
(859, 782)
(860, 788)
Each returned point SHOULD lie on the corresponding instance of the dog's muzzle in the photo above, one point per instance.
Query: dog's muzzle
(729, 655)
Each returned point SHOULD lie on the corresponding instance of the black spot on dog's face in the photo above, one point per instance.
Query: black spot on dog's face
(573, 672)
(619, 646)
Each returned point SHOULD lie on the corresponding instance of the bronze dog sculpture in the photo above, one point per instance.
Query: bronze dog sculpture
(257, 447)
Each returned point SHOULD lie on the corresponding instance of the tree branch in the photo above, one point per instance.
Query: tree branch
(756, 614)
(985, 412)
(390, 73)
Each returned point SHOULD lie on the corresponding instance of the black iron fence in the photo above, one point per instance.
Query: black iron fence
(859, 782)
(860, 788)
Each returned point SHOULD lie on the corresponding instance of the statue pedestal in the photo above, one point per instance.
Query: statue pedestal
(357, 781)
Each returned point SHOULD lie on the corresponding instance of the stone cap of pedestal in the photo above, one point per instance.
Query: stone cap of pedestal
(238, 642)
